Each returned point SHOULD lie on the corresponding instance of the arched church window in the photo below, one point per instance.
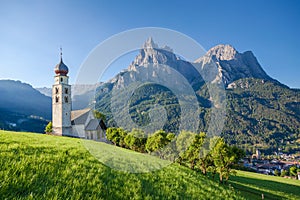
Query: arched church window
(56, 99)
(66, 99)
(61, 79)
(56, 90)
(66, 90)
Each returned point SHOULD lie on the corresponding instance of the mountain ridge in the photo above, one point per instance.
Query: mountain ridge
(245, 82)
(22, 107)
(261, 111)
(14, 92)
(233, 65)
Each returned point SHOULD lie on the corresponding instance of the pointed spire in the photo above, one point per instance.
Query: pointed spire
(150, 43)
(150, 40)
(60, 53)
(61, 68)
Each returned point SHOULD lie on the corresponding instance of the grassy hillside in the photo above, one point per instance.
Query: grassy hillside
(252, 185)
(34, 166)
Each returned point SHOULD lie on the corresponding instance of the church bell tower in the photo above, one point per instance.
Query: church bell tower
(61, 100)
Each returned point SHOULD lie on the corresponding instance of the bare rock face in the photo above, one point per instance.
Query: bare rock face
(222, 52)
(221, 64)
(154, 61)
(151, 53)
(232, 65)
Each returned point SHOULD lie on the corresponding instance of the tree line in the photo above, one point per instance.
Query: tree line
(209, 156)
(292, 172)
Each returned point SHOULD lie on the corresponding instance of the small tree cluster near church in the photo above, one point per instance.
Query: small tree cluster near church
(99, 115)
(48, 128)
(196, 151)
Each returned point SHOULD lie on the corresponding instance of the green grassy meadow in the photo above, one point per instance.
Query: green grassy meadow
(122, 159)
(251, 185)
(35, 166)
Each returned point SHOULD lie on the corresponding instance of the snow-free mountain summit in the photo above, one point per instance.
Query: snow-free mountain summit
(259, 110)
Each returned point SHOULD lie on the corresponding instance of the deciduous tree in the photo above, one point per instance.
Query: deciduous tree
(48, 128)
(116, 135)
(224, 157)
(158, 140)
(99, 115)
(136, 140)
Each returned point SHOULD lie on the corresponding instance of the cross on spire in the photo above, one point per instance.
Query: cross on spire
(60, 52)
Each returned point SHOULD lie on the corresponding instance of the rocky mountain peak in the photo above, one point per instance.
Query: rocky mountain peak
(232, 65)
(151, 53)
(223, 52)
(150, 44)
(151, 62)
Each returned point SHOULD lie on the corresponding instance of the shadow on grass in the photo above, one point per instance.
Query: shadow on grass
(172, 182)
(254, 188)
(251, 193)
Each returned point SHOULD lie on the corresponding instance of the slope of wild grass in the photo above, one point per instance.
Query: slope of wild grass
(34, 166)
(122, 159)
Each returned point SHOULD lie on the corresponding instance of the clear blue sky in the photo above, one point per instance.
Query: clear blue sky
(32, 31)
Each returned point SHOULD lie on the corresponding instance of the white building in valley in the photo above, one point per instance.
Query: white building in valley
(76, 123)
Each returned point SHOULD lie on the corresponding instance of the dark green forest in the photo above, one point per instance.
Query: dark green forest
(260, 113)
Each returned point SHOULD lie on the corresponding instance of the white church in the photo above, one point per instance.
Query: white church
(68, 122)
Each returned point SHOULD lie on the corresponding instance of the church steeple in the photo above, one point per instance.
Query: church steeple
(61, 68)
(61, 100)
